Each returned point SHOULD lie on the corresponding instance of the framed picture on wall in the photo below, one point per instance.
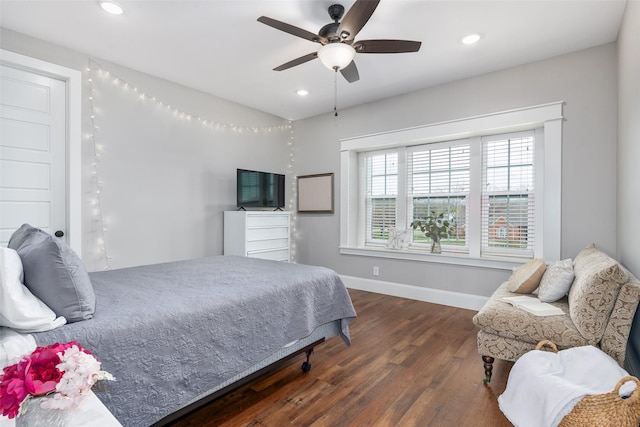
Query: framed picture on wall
(315, 193)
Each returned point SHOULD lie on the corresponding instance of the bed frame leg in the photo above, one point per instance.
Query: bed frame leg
(306, 366)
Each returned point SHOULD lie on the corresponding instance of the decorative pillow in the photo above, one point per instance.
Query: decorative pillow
(19, 309)
(594, 291)
(526, 278)
(56, 275)
(556, 281)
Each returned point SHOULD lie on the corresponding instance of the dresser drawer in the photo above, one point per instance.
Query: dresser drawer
(262, 220)
(261, 245)
(277, 255)
(267, 233)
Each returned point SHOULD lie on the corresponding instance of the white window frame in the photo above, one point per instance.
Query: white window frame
(546, 117)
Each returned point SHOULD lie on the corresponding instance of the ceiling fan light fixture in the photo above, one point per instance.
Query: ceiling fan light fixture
(336, 56)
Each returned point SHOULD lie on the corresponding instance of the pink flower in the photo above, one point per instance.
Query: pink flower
(35, 375)
(12, 389)
(41, 374)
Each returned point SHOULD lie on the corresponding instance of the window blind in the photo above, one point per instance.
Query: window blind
(508, 204)
(438, 182)
(381, 175)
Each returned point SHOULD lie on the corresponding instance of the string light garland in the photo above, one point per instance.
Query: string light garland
(292, 197)
(96, 200)
(94, 71)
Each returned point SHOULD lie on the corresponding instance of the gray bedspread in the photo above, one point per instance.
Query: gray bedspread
(170, 332)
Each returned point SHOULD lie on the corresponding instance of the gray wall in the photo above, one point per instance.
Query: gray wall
(166, 180)
(629, 138)
(586, 81)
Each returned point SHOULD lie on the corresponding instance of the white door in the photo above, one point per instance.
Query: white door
(32, 152)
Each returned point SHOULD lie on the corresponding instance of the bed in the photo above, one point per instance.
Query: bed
(175, 334)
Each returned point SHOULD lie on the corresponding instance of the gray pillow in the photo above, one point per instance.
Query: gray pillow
(55, 274)
(19, 236)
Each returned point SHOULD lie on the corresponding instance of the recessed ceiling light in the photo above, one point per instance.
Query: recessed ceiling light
(302, 92)
(111, 7)
(471, 39)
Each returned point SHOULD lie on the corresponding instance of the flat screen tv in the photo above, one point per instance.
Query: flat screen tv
(259, 189)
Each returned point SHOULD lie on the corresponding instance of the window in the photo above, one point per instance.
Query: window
(438, 177)
(508, 200)
(488, 186)
(438, 183)
(381, 191)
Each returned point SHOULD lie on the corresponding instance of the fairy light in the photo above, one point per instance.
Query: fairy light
(293, 194)
(96, 201)
(95, 70)
(179, 113)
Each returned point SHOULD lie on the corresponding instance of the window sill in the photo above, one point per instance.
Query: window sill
(444, 258)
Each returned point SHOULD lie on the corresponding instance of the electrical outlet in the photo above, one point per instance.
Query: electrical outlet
(376, 270)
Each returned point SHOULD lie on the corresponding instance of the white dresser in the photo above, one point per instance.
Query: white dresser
(257, 234)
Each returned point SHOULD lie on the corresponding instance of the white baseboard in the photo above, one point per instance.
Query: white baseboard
(436, 296)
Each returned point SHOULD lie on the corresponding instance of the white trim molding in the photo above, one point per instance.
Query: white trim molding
(435, 296)
(73, 81)
(547, 118)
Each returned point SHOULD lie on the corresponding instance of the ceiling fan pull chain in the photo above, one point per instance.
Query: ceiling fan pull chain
(335, 92)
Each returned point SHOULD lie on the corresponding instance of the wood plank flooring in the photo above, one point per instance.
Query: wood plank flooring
(411, 363)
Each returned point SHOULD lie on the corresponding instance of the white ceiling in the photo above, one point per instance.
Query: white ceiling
(218, 47)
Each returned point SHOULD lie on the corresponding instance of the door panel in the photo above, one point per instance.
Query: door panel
(32, 152)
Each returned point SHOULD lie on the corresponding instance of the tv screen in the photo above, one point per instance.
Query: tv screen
(259, 189)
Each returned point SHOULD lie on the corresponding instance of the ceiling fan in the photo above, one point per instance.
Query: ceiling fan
(338, 39)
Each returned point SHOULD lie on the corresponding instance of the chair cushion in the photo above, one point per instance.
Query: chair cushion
(594, 291)
(502, 319)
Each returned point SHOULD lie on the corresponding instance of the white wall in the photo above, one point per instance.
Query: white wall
(629, 138)
(586, 81)
(165, 180)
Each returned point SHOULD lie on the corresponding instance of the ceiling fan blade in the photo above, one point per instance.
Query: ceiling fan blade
(350, 72)
(355, 18)
(306, 58)
(288, 28)
(386, 46)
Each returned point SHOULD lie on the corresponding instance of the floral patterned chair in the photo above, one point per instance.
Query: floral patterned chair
(598, 310)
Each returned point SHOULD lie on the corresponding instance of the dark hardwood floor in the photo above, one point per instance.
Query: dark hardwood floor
(411, 363)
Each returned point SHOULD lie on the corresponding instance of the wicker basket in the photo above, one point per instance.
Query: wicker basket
(604, 410)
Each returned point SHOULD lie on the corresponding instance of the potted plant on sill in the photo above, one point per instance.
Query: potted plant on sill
(434, 227)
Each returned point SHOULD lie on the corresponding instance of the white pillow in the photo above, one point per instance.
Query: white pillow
(19, 308)
(556, 281)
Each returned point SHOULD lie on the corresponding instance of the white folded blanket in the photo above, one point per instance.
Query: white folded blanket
(544, 386)
(14, 346)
